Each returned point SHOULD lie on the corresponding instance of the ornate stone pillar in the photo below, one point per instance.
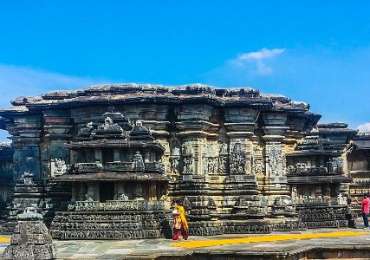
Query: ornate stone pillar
(196, 133)
(55, 157)
(276, 183)
(241, 183)
(26, 136)
(57, 132)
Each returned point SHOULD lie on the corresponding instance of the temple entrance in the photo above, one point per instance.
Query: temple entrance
(106, 190)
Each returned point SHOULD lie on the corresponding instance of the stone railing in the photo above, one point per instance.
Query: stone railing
(319, 201)
(87, 167)
(313, 171)
(116, 167)
(117, 205)
(119, 166)
(154, 167)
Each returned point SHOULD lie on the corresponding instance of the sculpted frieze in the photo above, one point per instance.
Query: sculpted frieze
(258, 162)
(275, 159)
(188, 165)
(210, 159)
(237, 159)
(175, 160)
(57, 167)
(223, 158)
(188, 158)
(212, 165)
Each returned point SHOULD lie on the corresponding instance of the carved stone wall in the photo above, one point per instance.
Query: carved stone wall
(224, 149)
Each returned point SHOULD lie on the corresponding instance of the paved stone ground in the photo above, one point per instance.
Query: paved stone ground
(275, 243)
(247, 244)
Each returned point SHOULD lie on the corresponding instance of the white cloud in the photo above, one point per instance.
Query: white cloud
(364, 128)
(258, 58)
(261, 54)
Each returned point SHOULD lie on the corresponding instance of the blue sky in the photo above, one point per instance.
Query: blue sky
(315, 51)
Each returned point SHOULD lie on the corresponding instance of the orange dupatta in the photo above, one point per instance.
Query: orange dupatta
(182, 214)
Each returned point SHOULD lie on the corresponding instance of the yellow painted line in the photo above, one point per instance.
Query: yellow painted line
(4, 239)
(265, 238)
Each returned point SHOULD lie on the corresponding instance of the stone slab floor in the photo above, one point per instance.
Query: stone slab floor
(249, 246)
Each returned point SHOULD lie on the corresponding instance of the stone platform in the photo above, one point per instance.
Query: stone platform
(312, 244)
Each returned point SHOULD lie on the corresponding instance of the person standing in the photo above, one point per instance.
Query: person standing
(180, 223)
(365, 209)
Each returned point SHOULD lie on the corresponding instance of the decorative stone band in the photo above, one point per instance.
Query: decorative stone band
(113, 205)
(321, 170)
(117, 167)
(320, 201)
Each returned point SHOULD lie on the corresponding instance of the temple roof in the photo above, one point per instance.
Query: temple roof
(337, 128)
(132, 93)
(361, 142)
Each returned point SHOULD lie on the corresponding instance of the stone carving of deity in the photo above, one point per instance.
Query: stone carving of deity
(187, 149)
(138, 162)
(188, 161)
(301, 167)
(89, 196)
(108, 122)
(188, 165)
(283, 204)
(237, 160)
(336, 165)
(211, 165)
(341, 199)
(58, 167)
(27, 178)
(222, 158)
(86, 131)
(175, 160)
(258, 166)
(291, 169)
(122, 196)
(276, 160)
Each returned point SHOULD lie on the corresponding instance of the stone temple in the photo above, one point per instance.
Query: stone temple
(106, 162)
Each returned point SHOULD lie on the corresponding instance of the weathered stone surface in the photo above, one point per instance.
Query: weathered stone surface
(6, 181)
(240, 160)
(31, 239)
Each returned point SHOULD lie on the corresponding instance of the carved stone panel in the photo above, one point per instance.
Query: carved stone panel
(258, 163)
(237, 159)
(223, 158)
(188, 158)
(275, 161)
(210, 158)
(57, 167)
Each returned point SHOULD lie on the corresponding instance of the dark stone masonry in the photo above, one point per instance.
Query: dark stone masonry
(106, 162)
(31, 239)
